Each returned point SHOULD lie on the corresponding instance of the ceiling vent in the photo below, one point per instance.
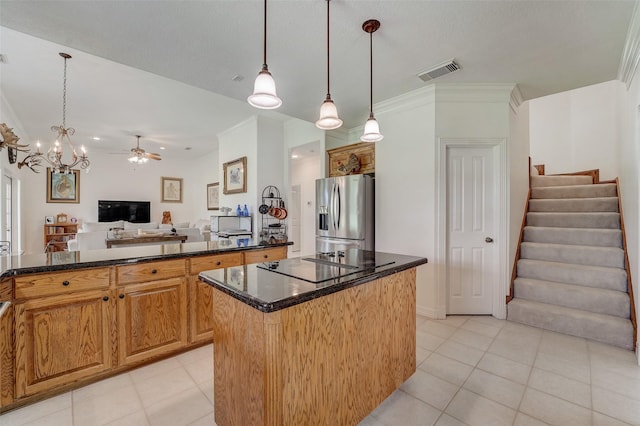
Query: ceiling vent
(439, 70)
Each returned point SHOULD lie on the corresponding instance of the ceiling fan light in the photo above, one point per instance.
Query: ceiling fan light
(328, 116)
(264, 91)
(371, 131)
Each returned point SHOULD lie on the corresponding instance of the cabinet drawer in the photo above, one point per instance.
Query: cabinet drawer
(266, 255)
(205, 263)
(150, 271)
(53, 283)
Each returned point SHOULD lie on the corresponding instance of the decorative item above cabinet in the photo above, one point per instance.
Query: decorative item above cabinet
(359, 158)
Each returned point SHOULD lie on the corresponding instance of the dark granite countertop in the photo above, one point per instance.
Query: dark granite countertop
(270, 291)
(68, 260)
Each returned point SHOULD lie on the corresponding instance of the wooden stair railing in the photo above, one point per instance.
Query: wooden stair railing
(626, 267)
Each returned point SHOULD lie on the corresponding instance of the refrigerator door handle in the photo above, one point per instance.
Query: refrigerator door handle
(333, 205)
(339, 206)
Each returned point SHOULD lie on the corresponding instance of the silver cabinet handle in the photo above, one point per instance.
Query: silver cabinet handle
(488, 240)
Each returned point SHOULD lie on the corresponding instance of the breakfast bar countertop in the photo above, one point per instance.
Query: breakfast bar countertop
(69, 260)
(258, 286)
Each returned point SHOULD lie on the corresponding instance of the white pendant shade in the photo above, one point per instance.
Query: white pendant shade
(264, 92)
(328, 116)
(371, 131)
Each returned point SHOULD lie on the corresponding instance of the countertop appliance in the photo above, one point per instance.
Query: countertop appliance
(345, 213)
(329, 265)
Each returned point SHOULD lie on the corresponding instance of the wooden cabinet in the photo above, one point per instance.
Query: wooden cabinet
(265, 255)
(62, 339)
(68, 328)
(56, 235)
(51, 284)
(152, 309)
(200, 294)
(151, 319)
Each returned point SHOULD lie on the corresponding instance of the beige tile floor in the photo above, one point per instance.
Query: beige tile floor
(471, 371)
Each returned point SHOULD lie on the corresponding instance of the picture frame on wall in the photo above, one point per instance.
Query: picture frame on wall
(63, 187)
(171, 190)
(235, 176)
(213, 196)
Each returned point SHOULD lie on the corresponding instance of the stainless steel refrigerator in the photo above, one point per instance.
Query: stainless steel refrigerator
(345, 213)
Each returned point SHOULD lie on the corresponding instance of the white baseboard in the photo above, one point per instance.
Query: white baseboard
(431, 313)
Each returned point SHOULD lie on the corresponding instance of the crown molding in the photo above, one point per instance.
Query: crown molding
(631, 53)
(516, 99)
(474, 92)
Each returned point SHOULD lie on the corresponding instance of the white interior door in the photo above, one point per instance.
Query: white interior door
(472, 205)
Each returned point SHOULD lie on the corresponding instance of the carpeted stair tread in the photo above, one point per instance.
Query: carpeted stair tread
(574, 236)
(611, 257)
(575, 191)
(608, 220)
(599, 204)
(597, 300)
(603, 328)
(560, 180)
(567, 273)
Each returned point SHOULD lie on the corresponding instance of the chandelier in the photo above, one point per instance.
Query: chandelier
(55, 153)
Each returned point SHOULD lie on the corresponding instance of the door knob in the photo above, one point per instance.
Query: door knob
(488, 240)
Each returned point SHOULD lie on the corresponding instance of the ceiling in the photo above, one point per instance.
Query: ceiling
(165, 69)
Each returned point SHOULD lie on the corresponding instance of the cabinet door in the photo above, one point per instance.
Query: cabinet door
(152, 319)
(61, 339)
(200, 311)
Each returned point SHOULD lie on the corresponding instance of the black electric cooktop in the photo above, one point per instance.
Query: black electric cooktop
(328, 265)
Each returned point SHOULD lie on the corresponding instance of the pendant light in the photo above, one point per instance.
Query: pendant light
(371, 128)
(329, 119)
(264, 89)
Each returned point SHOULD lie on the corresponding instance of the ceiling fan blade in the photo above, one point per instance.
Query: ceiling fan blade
(152, 156)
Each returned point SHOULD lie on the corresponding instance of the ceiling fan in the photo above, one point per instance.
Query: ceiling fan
(139, 155)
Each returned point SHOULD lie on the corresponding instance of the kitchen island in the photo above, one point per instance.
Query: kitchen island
(71, 318)
(319, 340)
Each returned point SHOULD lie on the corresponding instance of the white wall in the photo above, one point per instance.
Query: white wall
(518, 148)
(406, 168)
(576, 130)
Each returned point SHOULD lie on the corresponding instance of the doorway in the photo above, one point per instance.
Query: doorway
(473, 226)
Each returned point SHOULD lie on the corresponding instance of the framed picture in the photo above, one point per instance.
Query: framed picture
(236, 277)
(63, 188)
(235, 176)
(213, 196)
(49, 220)
(171, 190)
(61, 218)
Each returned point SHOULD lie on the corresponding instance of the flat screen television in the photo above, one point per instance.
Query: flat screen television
(131, 211)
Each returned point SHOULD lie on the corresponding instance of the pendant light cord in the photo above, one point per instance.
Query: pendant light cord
(64, 96)
(328, 56)
(264, 64)
(371, 74)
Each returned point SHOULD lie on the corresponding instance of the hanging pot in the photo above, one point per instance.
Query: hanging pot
(263, 209)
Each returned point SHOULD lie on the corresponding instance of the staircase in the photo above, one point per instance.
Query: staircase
(571, 275)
